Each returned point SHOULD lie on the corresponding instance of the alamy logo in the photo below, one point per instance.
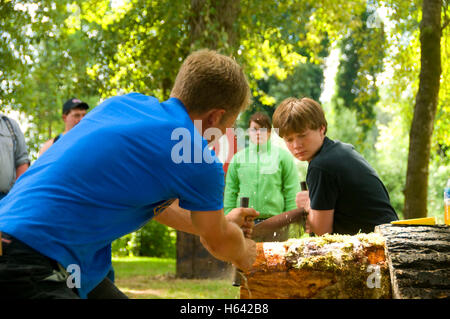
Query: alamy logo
(190, 149)
(74, 280)
(374, 279)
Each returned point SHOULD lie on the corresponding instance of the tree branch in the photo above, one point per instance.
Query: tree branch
(446, 18)
(446, 23)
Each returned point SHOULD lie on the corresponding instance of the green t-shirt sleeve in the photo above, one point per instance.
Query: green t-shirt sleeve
(291, 182)
(231, 187)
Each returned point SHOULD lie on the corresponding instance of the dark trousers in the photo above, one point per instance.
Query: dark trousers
(27, 274)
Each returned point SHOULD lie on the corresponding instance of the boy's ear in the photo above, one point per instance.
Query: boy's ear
(214, 117)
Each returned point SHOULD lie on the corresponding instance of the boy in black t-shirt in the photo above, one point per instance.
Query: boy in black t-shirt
(345, 195)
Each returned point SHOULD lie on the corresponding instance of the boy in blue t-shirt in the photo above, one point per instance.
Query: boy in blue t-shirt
(129, 160)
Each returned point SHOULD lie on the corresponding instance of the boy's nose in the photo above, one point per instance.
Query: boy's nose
(298, 143)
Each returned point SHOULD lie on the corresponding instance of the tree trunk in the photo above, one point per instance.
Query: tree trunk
(194, 261)
(211, 20)
(424, 112)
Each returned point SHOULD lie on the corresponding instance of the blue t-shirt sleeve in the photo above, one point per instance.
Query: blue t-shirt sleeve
(204, 188)
(323, 189)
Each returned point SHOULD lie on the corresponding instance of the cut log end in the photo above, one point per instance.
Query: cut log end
(419, 260)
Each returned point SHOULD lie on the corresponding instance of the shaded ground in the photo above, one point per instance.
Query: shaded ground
(154, 278)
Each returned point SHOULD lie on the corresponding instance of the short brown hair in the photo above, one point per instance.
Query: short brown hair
(208, 80)
(298, 115)
(262, 119)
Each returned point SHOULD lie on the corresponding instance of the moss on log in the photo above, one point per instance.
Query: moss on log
(330, 266)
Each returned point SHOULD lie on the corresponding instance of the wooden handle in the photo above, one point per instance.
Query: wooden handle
(303, 186)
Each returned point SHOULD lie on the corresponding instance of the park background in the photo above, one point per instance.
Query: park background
(360, 58)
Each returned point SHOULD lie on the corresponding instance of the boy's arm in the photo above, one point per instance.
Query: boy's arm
(224, 239)
(21, 169)
(322, 194)
(318, 221)
(221, 235)
(46, 146)
(176, 217)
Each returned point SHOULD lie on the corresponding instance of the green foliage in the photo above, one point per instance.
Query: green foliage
(305, 80)
(50, 66)
(153, 239)
(403, 55)
(53, 50)
(361, 63)
(98, 48)
(441, 137)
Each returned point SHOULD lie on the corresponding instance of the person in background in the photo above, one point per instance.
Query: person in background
(72, 112)
(345, 194)
(14, 159)
(263, 172)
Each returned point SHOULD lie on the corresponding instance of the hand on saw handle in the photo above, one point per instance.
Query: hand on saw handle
(303, 202)
(244, 217)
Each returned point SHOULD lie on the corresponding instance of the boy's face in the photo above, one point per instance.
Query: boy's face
(258, 134)
(73, 117)
(305, 145)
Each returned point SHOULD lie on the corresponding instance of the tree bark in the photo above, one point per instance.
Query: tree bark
(419, 260)
(416, 187)
(210, 20)
(194, 261)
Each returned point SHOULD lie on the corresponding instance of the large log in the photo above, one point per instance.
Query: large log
(330, 266)
(419, 260)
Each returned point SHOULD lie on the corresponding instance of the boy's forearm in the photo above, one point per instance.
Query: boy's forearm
(178, 218)
(320, 222)
(227, 246)
(21, 169)
(223, 239)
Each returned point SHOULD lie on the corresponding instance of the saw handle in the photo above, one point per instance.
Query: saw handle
(244, 202)
(238, 274)
(303, 186)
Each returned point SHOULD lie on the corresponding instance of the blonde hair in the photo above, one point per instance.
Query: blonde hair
(209, 80)
(298, 115)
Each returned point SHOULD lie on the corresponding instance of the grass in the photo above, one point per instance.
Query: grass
(154, 278)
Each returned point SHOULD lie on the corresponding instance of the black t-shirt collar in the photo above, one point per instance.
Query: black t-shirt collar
(325, 144)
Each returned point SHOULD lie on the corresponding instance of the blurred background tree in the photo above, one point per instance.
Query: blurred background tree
(51, 50)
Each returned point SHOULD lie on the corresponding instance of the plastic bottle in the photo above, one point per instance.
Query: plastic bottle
(447, 203)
